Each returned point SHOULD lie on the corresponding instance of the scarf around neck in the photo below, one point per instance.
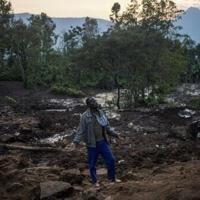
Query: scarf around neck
(101, 119)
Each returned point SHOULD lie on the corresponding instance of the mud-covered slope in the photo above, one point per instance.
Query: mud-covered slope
(156, 158)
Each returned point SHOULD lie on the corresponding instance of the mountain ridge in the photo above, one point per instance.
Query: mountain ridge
(189, 23)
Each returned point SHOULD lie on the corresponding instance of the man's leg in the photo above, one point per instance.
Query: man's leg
(109, 159)
(92, 159)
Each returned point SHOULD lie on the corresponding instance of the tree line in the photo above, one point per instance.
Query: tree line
(142, 54)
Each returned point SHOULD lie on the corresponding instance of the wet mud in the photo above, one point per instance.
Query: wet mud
(156, 158)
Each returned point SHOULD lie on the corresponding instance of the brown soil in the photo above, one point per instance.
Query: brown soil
(156, 160)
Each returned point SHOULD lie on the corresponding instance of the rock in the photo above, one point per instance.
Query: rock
(130, 125)
(91, 193)
(78, 189)
(165, 134)
(72, 176)
(179, 132)
(50, 188)
(25, 129)
(150, 129)
(102, 171)
(121, 161)
(157, 170)
(7, 138)
(15, 187)
(109, 198)
(85, 172)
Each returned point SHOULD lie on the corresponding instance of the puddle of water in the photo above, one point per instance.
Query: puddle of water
(104, 98)
(113, 115)
(64, 102)
(56, 110)
(189, 89)
(186, 113)
(69, 102)
(55, 138)
(193, 93)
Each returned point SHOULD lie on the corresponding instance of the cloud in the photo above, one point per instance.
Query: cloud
(188, 3)
(80, 8)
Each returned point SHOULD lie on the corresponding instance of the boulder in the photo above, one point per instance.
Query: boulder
(179, 132)
(15, 187)
(7, 138)
(51, 188)
(72, 176)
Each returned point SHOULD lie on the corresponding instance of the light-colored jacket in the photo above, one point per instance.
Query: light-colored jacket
(85, 130)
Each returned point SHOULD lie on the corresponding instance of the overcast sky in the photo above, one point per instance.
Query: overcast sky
(79, 8)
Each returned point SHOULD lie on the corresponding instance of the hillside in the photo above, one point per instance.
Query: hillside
(64, 24)
(190, 23)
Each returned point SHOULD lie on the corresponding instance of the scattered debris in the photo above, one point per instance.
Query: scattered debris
(156, 160)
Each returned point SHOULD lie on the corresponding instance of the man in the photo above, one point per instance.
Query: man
(92, 129)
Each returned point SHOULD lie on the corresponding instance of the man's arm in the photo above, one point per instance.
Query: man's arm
(110, 131)
(80, 131)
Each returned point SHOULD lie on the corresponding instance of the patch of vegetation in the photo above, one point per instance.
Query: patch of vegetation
(194, 103)
(141, 52)
(11, 101)
(66, 90)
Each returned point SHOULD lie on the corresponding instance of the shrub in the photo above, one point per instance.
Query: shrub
(194, 103)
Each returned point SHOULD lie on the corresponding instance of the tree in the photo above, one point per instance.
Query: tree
(44, 37)
(114, 17)
(79, 41)
(6, 18)
(90, 29)
(153, 38)
(21, 40)
(32, 46)
(72, 39)
(77, 36)
(192, 74)
(42, 40)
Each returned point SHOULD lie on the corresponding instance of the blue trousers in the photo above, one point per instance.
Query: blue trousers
(103, 149)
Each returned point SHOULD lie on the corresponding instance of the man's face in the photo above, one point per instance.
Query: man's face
(93, 104)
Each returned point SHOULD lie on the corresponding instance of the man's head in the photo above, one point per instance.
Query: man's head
(92, 103)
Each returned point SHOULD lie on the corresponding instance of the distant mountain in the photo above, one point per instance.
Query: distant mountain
(190, 23)
(64, 24)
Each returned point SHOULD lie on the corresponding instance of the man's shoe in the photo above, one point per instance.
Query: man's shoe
(97, 184)
(117, 180)
(111, 182)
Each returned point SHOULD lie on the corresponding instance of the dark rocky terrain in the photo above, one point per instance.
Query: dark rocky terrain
(156, 159)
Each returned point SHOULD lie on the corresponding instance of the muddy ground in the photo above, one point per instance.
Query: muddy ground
(156, 158)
